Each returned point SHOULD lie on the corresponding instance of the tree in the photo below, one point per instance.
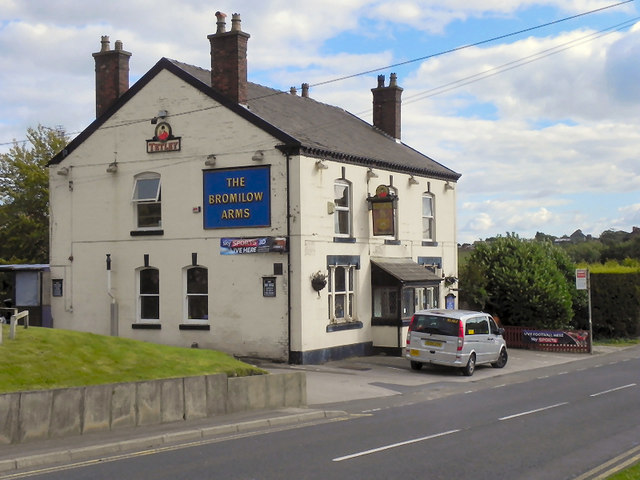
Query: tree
(522, 282)
(24, 196)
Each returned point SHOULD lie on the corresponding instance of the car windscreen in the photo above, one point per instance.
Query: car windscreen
(436, 325)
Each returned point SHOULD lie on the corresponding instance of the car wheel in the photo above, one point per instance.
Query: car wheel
(502, 359)
(416, 365)
(471, 366)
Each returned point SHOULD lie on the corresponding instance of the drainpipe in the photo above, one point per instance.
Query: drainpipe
(114, 303)
(288, 157)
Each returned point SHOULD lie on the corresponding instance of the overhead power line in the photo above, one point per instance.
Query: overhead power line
(481, 42)
(517, 63)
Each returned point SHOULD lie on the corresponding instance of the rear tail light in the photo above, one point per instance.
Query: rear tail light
(413, 319)
(460, 335)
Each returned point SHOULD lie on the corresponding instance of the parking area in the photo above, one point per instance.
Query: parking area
(379, 376)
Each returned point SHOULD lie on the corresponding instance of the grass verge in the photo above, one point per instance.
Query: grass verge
(44, 358)
(631, 473)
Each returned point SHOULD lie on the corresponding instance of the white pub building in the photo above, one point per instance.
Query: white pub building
(202, 209)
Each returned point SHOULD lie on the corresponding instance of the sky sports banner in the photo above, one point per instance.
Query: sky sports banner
(242, 246)
(555, 337)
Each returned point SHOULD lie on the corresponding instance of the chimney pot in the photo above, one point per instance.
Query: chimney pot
(393, 80)
(222, 25)
(235, 23)
(305, 90)
(118, 45)
(293, 91)
(380, 81)
(104, 43)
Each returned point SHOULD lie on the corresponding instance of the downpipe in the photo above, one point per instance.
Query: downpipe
(113, 313)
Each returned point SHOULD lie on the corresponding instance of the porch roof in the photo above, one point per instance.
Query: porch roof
(405, 269)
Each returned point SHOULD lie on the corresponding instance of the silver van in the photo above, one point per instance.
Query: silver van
(456, 338)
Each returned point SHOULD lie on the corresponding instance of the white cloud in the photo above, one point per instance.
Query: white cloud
(526, 140)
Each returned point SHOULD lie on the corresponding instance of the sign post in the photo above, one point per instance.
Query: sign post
(583, 282)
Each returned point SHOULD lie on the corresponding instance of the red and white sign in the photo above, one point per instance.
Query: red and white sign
(581, 278)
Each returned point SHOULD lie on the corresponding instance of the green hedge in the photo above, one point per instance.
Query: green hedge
(615, 303)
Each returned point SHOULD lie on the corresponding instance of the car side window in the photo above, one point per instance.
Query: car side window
(494, 327)
(477, 326)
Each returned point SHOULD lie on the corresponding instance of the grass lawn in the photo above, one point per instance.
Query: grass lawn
(631, 473)
(43, 358)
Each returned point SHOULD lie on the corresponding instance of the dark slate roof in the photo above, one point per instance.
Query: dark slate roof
(327, 131)
(405, 269)
(300, 123)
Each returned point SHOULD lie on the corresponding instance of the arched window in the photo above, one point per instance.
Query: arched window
(147, 201)
(197, 294)
(148, 295)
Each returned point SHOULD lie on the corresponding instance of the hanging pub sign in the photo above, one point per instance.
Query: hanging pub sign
(242, 246)
(382, 207)
(237, 197)
(163, 140)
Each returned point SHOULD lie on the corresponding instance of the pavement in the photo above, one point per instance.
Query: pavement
(331, 389)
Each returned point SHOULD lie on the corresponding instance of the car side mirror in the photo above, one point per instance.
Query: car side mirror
(501, 331)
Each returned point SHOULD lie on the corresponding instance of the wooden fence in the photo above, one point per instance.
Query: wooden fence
(516, 338)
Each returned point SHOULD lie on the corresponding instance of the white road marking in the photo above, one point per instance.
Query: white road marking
(534, 411)
(394, 445)
(613, 390)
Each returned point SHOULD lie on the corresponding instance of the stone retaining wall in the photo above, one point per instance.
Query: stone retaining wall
(37, 415)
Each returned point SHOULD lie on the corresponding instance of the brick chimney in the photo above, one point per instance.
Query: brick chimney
(112, 74)
(386, 106)
(229, 59)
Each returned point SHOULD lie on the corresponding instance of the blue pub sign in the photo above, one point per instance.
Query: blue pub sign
(237, 197)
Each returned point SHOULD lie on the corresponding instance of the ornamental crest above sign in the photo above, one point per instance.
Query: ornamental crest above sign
(163, 140)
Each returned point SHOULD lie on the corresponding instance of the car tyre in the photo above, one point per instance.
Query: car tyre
(415, 365)
(502, 359)
(468, 370)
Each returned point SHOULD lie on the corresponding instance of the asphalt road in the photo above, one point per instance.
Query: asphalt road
(550, 424)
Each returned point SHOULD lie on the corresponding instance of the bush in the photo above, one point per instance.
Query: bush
(615, 299)
(524, 283)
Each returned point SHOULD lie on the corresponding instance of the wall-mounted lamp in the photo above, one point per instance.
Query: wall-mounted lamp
(371, 174)
(161, 114)
(210, 161)
(64, 171)
(258, 156)
(320, 165)
(113, 167)
(413, 181)
(448, 186)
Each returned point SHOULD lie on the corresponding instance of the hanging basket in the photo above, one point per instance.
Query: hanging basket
(318, 281)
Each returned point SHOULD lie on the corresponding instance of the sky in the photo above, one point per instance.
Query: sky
(535, 103)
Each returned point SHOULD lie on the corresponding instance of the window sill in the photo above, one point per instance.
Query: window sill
(194, 326)
(338, 327)
(429, 244)
(344, 240)
(146, 326)
(146, 233)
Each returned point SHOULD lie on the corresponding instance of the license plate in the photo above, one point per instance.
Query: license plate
(414, 353)
(432, 343)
